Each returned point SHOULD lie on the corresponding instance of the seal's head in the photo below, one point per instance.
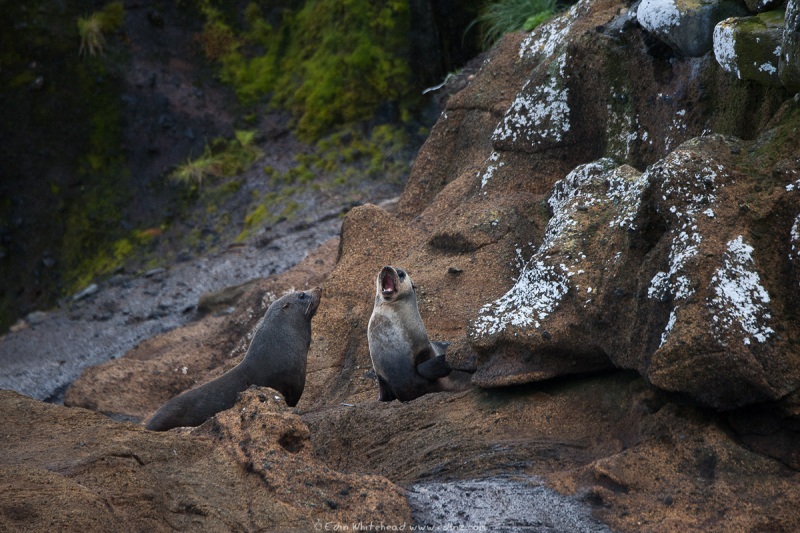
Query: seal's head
(393, 283)
(307, 301)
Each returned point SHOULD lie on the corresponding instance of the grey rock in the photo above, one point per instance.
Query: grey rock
(789, 63)
(750, 47)
(687, 27)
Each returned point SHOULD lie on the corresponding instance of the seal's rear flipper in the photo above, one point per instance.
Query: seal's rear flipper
(434, 368)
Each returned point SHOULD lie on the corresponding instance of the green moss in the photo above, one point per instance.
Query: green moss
(259, 215)
(330, 62)
(348, 155)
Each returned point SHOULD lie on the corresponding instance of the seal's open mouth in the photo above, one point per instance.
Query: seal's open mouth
(388, 280)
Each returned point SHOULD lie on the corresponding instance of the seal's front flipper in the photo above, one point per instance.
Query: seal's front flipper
(385, 393)
(434, 368)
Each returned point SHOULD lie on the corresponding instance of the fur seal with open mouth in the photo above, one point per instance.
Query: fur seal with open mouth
(276, 358)
(407, 363)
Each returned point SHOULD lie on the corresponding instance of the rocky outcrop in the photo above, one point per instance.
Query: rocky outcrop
(687, 26)
(583, 206)
(750, 48)
(74, 470)
(789, 64)
(638, 460)
(755, 40)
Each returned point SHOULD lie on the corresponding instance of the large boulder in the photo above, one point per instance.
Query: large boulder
(687, 26)
(750, 47)
(667, 272)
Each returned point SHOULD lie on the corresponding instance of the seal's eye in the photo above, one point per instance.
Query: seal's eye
(401, 274)
(302, 296)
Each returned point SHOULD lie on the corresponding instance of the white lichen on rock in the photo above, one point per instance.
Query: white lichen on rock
(724, 51)
(492, 164)
(625, 189)
(794, 240)
(552, 35)
(658, 15)
(694, 193)
(739, 296)
(558, 263)
(538, 113)
(677, 127)
(535, 295)
(623, 127)
(570, 192)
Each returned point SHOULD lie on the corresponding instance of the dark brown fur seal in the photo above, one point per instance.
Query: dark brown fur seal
(276, 358)
(407, 363)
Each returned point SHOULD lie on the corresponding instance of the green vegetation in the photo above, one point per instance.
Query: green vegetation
(93, 215)
(92, 28)
(505, 16)
(340, 160)
(330, 63)
(106, 260)
(219, 159)
(347, 154)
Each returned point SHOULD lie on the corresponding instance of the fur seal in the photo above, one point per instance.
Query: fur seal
(276, 358)
(407, 363)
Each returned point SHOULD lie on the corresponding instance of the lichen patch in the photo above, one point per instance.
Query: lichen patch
(685, 198)
(539, 114)
(739, 298)
(560, 265)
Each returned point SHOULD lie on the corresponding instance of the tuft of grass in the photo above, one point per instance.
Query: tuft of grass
(91, 32)
(221, 158)
(506, 16)
(194, 171)
(92, 29)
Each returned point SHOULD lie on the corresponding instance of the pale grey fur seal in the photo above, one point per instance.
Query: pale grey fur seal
(406, 362)
(276, 358)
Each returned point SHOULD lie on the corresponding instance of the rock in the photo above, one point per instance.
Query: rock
(223, 299)
(72, 469)
(687, 26)
(750, 48)
(617, 447)
(85, 293)
(724, 319)
(789, 64)
(683, 457)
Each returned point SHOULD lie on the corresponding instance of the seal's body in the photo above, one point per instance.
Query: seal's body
(407, 363)
(276, 358)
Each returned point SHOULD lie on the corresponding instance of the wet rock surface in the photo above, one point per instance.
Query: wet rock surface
(498, 504)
